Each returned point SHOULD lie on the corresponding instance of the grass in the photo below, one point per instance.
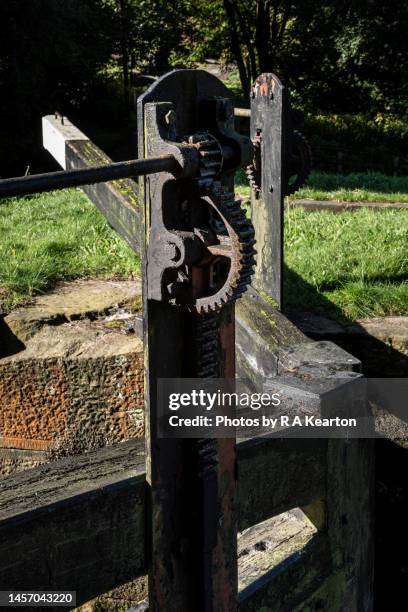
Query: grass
(357, 187)
(52, 237)
(348, 265)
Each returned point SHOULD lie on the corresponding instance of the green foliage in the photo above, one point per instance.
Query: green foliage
(52, 237)
(336, 56)
(204, 34)
(349, 57)
(380, 142)
(149, 32)
(50, 54)
(344, 62)
(234, 84)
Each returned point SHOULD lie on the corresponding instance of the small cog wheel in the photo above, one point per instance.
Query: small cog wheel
(210, 154)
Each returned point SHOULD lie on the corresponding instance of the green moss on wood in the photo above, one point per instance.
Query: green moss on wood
(268, 298)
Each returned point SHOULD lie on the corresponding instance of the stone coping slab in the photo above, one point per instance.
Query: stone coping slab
(338, 206)
(70, 301)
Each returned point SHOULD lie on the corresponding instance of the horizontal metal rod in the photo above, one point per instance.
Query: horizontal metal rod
(242, 112)
(25, 185)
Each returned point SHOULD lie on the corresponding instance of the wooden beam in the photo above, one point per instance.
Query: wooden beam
(262, 333)
(80, 522)
(282, 563)
(350, 503)
(117, 200)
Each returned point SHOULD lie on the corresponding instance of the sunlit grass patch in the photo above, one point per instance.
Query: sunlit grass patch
(52, 237)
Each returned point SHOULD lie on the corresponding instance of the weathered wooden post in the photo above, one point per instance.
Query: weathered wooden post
(281, 164)
(350, 463)
(269, 133)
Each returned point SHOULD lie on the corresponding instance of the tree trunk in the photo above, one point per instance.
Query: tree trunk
(124, 51)
(236, 46)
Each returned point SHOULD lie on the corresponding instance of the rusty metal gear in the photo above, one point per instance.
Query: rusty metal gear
(229, 252)
(254, 170)
(210, 154)
(226, 237)
(299, 164)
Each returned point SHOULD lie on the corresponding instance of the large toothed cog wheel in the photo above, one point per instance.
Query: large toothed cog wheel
(299, 164)
(230, 255)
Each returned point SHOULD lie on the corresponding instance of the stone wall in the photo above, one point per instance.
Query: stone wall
(71, 374)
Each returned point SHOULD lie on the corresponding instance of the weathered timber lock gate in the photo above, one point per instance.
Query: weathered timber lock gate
(198, 255)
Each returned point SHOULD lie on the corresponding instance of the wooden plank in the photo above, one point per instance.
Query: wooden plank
(281, 563)
(81, 521)
(261, 462)
(77, 523)
(117, 200)
(262, 333)
(350, 503)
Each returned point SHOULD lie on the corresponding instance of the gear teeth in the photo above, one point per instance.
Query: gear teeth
(253, 171)
(240, 229)
(210, 154)
(207, 346)
(244, 260)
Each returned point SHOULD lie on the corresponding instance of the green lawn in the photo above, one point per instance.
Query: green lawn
(57, 236)
(358, 187)
(352, 264)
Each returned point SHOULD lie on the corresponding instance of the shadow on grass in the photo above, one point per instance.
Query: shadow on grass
(301, 295)
(379, 359)
(376, 278)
